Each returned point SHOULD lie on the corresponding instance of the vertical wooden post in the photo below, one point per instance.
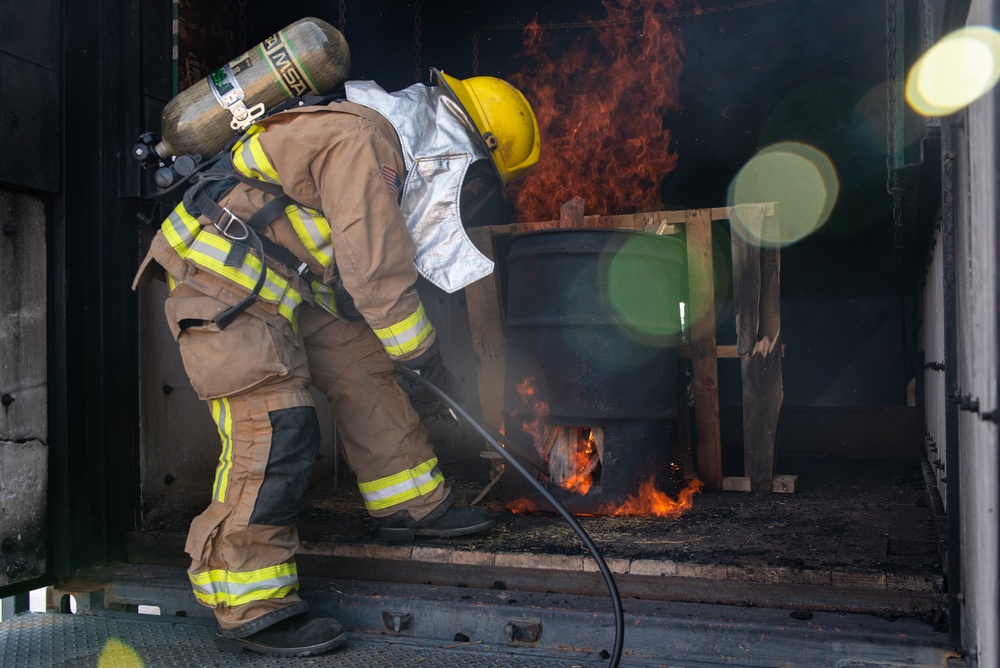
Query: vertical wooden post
(701, 315)
(756, 293)
(571, 213)
(485, 307)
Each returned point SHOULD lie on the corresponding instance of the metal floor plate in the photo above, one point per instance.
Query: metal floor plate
(436, 622)
(125, 640)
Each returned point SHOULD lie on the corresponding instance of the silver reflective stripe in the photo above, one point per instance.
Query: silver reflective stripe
(314, 232)
(204, 249)
(222, 412)
(324, 296)
(406, 336)
(270, 286)
(404, 488)
(245, 154)
(236, 589)
(185, 227)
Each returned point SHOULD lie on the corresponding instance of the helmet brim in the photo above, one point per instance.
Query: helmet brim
(459, 92)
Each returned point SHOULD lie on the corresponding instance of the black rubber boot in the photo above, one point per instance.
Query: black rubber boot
(302, 635)
(455, 521)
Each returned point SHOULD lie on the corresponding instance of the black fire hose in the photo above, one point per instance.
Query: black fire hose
(616, 653)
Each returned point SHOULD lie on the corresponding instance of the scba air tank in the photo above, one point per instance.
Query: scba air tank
(308, 56)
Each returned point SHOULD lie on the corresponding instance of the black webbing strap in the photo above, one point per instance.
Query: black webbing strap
(339, 94)
(264, 217)
(266, 214)
(241, 232)
(225, 318)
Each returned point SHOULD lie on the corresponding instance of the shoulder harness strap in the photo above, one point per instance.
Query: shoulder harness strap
(203, 197)
(216, 178)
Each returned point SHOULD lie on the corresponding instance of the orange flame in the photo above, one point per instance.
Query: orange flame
(582, 456)
(537, 409)
(600, 108)
(521, 506)
(573, 456)
(652, 501)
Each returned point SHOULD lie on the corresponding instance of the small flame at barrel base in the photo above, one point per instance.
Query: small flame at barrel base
(650, 502)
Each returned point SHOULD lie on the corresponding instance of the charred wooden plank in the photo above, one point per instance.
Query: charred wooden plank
(735, 484)
(571, 213)
(485, 307)
(722, 351)
(784, 484)
(780, 484)
(703, 347)
(658, 222)
(756, 293)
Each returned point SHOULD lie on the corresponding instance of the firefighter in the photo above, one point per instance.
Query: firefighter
(349, 200)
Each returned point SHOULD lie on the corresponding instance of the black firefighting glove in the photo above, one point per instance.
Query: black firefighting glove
(428, 405)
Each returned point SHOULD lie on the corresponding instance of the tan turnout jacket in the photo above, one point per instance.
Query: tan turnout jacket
(343, 163)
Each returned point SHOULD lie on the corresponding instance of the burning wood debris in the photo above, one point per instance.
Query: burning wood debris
(574, 455)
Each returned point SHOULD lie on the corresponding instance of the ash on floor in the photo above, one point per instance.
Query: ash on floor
(848, 519)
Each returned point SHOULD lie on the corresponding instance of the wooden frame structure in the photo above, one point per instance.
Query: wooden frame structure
(756, 291)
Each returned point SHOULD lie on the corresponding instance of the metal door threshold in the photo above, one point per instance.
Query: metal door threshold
(396, 625)
(127, 640)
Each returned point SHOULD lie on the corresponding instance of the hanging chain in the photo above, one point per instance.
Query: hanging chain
(892, 128)
(416, 41)
(343, 17)
(475, 53)
(243, 24)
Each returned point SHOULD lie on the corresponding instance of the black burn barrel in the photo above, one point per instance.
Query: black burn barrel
(592, 328)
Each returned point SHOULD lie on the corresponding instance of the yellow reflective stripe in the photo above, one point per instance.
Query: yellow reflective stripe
(210, 251)
(223, 415)
(406, 336)
(233, 588)
(275, 289)
(219, 598)
(172, 282)
(324, 296)
(250, 160)
(244, 577)
(403, 486)
(180, 228)
(314, 232)
(312, 228)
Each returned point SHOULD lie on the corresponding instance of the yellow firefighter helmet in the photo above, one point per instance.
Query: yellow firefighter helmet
(504, 119)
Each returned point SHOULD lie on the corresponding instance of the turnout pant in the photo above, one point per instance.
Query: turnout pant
(255, 376)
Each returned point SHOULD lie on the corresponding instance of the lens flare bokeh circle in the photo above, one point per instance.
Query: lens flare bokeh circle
(798, 179)
(644, 286)
(956, 71)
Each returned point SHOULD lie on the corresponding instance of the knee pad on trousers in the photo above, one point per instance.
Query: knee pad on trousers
(294, 445)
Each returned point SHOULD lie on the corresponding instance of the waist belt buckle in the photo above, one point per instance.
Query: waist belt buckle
(229, 219)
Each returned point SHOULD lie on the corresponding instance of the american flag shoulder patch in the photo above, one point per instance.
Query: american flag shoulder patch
(391, 178)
